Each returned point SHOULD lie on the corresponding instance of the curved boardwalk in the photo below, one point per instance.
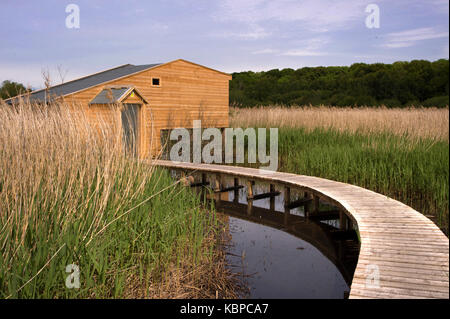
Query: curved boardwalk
(401, 247)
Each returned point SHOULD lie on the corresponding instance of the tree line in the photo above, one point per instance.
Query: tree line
(10, 89)
(400, 84)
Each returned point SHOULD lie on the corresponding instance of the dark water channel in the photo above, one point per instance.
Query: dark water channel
(281, 265)
(279, 258)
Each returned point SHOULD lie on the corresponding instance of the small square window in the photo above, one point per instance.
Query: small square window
(156, 82)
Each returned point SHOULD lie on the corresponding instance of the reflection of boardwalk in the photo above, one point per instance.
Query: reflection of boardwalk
(340, 252)
(402, 253)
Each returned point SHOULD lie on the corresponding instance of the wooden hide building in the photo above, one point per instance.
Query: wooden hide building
(151, 100)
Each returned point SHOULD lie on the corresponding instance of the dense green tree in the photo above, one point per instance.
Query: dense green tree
(11, 89)
(417, 82)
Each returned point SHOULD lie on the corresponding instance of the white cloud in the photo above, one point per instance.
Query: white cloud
(266, 51)
(409, 38)
(252, 32)
(310, 47)
(395, 45)
(307, 47)
(315, 15)
(301, 52)
(158, 27)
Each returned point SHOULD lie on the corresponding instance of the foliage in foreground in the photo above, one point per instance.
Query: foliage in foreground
(69, 196)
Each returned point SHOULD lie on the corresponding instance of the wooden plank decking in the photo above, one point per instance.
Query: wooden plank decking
(401, 247)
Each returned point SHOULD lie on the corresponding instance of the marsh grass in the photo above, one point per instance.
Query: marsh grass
(414, 122)
(371, 148)
(68, 195)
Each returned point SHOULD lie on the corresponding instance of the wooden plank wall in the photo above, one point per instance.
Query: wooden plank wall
(187, 92)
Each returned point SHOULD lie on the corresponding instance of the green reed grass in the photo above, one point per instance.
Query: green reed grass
(412, 170)
(69, 196)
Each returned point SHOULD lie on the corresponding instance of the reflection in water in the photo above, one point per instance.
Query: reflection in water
(279, 257)
(281, 265)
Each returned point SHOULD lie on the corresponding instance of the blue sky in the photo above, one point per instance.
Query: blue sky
(229, 35)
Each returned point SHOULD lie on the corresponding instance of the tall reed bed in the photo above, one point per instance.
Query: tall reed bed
(405, 157)
(415, 173)
(68, 195)
(415, 122)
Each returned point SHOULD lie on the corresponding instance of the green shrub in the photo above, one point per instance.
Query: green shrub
(437, 101)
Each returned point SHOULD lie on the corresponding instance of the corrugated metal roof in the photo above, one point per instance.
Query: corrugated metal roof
(88, 81)
(110, 95)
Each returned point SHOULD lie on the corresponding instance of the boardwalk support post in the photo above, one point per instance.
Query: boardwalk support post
(205, 183)
(287, 202)
(201, 184)
(184, 180)
(236, 190)
(307, 207)
(343, 224)
(250, 185)
(217, 186)
(316, 208)
(272, 198)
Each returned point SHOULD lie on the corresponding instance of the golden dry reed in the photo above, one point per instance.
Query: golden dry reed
(69, 195)
(401, 153)
(415, 122)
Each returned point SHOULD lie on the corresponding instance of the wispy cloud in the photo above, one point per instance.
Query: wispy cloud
(315, 15)
(310, 47)
(233, 34)
(158, 27)
(252, 32)
(266, 51)
(301, 52)
(409, 38)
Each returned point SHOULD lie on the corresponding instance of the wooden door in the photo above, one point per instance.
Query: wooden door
(130, 128)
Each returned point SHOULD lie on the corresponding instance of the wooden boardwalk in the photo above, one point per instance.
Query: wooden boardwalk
(403, 254)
